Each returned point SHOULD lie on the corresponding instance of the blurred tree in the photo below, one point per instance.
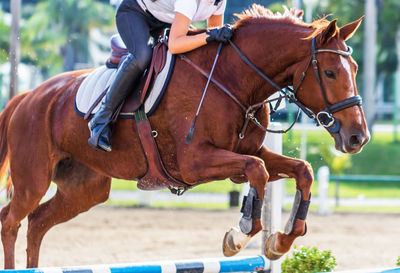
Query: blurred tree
(62, 27)
(40, 44)
(389, 23)
(4, 39)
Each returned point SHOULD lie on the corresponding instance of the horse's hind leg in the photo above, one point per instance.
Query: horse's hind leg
(30, 184)
(78, 189)
(281, 166)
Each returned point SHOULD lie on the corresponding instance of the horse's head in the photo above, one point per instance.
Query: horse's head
(329, 87)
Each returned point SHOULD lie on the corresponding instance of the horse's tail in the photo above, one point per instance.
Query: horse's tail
(5, 117)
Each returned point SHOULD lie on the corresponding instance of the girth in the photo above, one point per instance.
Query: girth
(157, 176)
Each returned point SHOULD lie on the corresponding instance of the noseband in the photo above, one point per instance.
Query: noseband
(324, 118)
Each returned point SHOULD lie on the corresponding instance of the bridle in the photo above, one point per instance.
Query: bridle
(324, 118)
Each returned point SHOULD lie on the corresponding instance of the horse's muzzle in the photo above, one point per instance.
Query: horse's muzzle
(352, 142)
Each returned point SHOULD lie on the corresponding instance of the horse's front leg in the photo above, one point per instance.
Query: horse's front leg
(280, 166)
(212, 164)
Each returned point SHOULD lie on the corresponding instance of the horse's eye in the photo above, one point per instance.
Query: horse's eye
(330, 74)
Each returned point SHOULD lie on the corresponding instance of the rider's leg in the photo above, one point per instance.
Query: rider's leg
(134, 29)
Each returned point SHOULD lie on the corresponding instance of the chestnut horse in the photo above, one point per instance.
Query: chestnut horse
(43, 139)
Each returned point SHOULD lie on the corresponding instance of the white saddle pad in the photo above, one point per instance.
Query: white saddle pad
(101, 78)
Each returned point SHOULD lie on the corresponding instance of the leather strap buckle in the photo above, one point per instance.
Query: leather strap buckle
(325, 119)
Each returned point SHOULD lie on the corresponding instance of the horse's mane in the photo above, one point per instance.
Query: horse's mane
(259, 14)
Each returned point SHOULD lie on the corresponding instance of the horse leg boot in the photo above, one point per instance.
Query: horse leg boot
(101, 124)
(234, 239)
(280, 166)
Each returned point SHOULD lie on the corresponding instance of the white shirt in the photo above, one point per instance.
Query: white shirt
(195, 10)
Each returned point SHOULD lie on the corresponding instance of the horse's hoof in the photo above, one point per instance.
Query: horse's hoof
(270, 248)
(234, 241)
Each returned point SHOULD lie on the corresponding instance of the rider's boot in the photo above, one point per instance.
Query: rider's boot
(100, 126)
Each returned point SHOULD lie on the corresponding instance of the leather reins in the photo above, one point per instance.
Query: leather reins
(324, 118)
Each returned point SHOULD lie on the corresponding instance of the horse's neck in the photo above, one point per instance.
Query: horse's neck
(275, 54)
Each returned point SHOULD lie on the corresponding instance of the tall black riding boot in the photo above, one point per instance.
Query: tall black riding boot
(100, 126)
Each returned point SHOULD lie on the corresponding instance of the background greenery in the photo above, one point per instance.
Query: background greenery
(309, 260)
(377, 156)
(55, 33)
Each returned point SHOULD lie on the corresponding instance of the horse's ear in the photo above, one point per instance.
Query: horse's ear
(347, 31)
(329, 32)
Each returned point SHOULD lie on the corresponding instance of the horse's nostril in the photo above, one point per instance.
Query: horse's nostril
(355, 141)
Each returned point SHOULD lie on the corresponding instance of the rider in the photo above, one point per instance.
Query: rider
(137, 21)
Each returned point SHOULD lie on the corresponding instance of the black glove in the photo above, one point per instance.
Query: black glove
(222, 34)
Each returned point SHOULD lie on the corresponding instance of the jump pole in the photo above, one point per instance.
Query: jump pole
(214, 265)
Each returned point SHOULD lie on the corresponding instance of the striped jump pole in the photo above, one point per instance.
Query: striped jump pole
(213, 265)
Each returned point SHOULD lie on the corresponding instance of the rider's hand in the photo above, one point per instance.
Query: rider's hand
(222, 34)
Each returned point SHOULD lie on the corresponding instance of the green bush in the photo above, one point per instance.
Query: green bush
(398, 261)
(309, 260)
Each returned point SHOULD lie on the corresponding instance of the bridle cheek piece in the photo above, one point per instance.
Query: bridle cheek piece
(325, 117)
